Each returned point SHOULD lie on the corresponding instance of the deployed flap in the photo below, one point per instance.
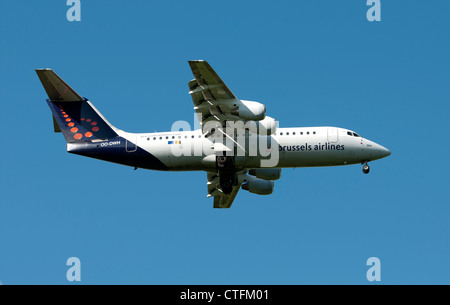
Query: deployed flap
(213, 100)
(221, 200)
(56, 88)
(208, 82)
(225, 201)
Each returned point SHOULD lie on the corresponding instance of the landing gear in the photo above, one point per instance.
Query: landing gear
(226, 184)
(366, 168)
(227, 173)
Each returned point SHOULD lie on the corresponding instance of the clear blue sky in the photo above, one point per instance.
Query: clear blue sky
(312, 63)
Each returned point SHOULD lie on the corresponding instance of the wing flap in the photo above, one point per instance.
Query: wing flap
(221, 200)
(225, 201)
(208, 82)
(213, 100)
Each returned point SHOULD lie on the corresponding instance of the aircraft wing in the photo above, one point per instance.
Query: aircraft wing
(212, 98)
(208, 82)
(225, 201)
(221, 200)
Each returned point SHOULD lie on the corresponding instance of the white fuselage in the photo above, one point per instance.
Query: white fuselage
(296, 147)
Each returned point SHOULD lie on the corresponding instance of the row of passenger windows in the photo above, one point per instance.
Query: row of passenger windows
(294, 133)
(199, 136)
(173, 137)
(353, 134)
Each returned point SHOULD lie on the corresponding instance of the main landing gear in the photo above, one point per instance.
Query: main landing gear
(366, 168)
(227, 173)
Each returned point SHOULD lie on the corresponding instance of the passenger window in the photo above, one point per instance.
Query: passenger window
(287, 133)
(281, 133)
(307, 132)
(293, 133)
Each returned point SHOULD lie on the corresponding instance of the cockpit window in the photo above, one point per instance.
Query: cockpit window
(353, 134)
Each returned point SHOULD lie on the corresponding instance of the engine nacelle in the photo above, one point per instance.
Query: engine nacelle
(265, 127)
(258, 186)
(248, 110)
(266, 173)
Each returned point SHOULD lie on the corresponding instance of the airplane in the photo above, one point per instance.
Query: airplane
(237, 145)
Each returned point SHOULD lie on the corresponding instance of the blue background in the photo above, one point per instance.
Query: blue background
(312, 63)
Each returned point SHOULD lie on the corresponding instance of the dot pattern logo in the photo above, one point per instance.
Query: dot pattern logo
(77, 135)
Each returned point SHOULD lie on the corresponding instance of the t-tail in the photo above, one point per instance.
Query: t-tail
(73, 115)
(87, 132)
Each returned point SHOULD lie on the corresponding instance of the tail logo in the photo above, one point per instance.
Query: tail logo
(74, 130)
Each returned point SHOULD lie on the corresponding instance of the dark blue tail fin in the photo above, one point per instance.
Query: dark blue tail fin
(73, 115)
(79, 121)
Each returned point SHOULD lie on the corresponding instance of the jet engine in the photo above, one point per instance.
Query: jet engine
(266, 173)
(258, 186)
(248, 110)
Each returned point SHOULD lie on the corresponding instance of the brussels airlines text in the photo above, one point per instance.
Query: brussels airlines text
(308, 147)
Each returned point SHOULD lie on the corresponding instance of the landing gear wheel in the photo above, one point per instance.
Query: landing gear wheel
(224, 162)
(227, 181)
(221, 161)
(366, 169)
(227, 186)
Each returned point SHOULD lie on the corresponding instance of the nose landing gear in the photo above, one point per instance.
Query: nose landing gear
(366, 168)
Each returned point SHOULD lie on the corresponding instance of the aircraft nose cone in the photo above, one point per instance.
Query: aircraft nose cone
(377, 151)
(383, 151)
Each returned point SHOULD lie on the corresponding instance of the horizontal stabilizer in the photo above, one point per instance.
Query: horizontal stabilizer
(57, 90)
